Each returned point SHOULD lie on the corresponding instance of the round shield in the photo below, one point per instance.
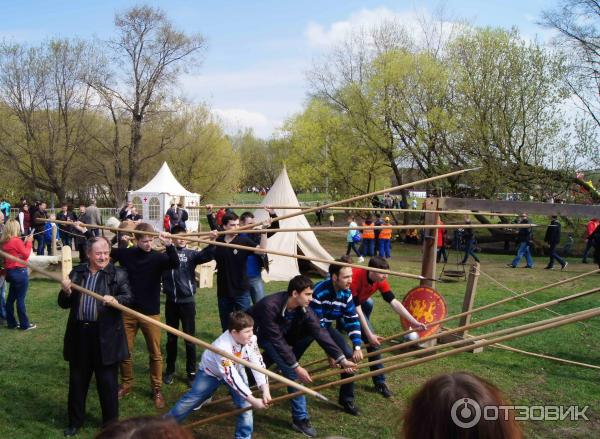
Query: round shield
(426, 305)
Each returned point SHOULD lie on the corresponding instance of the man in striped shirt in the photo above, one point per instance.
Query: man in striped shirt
(332, 303)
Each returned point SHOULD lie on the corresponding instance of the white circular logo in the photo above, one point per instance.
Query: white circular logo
(465, 413)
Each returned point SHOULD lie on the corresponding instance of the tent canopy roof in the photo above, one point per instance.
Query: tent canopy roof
(165, 182)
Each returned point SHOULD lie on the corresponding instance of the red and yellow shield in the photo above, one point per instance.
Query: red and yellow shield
(427, 306)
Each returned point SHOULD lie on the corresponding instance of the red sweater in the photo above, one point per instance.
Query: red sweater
(16, 247)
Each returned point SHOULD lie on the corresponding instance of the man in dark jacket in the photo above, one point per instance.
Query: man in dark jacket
(525, 237)
(179, 285)
(553, 238)
(95, 340)
(282, 320)
(38, 226)
(144, 267)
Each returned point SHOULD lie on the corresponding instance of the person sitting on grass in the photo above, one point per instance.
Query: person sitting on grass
(214, 370)
(448, 400)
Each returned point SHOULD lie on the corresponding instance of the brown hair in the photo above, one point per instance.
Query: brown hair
(429, 413)
(144, 427)
(239, 320)
(142, 227)
(379, 262)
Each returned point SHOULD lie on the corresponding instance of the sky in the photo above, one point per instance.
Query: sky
(258, 53)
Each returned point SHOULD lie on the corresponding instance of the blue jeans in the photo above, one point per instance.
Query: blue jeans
(346, 390)
(523, 250)
(367, 309)
(257, 288)
(204, 387)
(470, 251)
(554, 255)
(41, 242)
(299, 410)
(368, 247)
(3, 299)
(227, 305)
(18, 278)
(384, 248)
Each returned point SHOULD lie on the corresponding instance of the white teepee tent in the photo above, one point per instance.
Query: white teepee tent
(283, 267)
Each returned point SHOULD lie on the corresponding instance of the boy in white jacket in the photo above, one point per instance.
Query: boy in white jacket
(215, 370)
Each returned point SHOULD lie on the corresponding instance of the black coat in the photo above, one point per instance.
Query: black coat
(113, 343)
(270, 326)
(553, 233)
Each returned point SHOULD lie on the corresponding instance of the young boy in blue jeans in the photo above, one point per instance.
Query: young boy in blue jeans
(215, 370)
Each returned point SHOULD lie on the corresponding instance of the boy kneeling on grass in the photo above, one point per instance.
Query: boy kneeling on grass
(215, 370)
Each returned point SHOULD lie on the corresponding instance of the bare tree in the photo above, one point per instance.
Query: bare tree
(148, 56)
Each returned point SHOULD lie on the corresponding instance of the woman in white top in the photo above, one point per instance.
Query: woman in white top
(351, 238)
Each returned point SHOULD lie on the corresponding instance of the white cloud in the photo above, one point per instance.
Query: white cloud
(234, 119)
(320, 36)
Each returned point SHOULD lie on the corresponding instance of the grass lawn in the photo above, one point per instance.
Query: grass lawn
(34, 377)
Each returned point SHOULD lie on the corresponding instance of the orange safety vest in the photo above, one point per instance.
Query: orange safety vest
(385, 234)
(368, 233)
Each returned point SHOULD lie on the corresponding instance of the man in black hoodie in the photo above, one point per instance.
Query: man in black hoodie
(179, 285)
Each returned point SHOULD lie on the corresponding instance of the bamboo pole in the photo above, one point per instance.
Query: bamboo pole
(516, 332)
(174, 331)
(546, 357)
(478, 309)
(242, 247)
(393, 227)
(350, 208)
(370, 194)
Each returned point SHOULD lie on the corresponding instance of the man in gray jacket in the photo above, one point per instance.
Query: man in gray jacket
(179, 285)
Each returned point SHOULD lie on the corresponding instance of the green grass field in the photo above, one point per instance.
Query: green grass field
(34, 377)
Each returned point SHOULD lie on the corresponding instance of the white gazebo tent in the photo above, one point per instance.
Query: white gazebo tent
(282, 267)
(154, 199)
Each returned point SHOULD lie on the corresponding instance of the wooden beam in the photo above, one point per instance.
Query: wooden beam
(537, 208)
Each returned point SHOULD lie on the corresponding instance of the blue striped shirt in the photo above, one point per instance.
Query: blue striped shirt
(330, 306)
(88, 311)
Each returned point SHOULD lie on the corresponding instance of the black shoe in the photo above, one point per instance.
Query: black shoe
(70, 431)
(303, 426)
(168, 378)
(383, 389)
(548, 268)
(350, 408)
(564, 266)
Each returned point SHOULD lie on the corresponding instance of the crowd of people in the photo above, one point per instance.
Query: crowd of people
(262, 329)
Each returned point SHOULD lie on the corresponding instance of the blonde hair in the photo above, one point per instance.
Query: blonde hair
(12, 229)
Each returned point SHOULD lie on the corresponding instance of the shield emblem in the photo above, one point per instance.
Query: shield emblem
(426, 305)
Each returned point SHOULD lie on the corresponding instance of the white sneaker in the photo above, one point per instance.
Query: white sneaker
(361, 259)
(199, 406)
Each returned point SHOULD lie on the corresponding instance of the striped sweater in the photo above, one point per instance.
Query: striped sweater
(330, 307)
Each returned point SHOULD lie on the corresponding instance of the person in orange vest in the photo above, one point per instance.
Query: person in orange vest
(385, 237)
(441, 242)
(368, 236)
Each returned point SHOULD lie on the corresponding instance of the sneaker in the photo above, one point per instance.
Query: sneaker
(350, 407)
(31, 326)
(70, 431)
(159, 399)
(168, 378)
(304, 426)
(383, 389)
(511, 266)
(203, 403)
(361, 259)
(564, 266)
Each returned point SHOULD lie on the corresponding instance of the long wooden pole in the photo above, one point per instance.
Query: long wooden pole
(174, 331)
(452, 331)
(516, 332)
(350, 208)
(481, 308)
(370, 194)
(393, 227)
(242, 247)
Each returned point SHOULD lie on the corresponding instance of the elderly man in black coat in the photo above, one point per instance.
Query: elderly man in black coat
(95, 339)
(553, 238)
